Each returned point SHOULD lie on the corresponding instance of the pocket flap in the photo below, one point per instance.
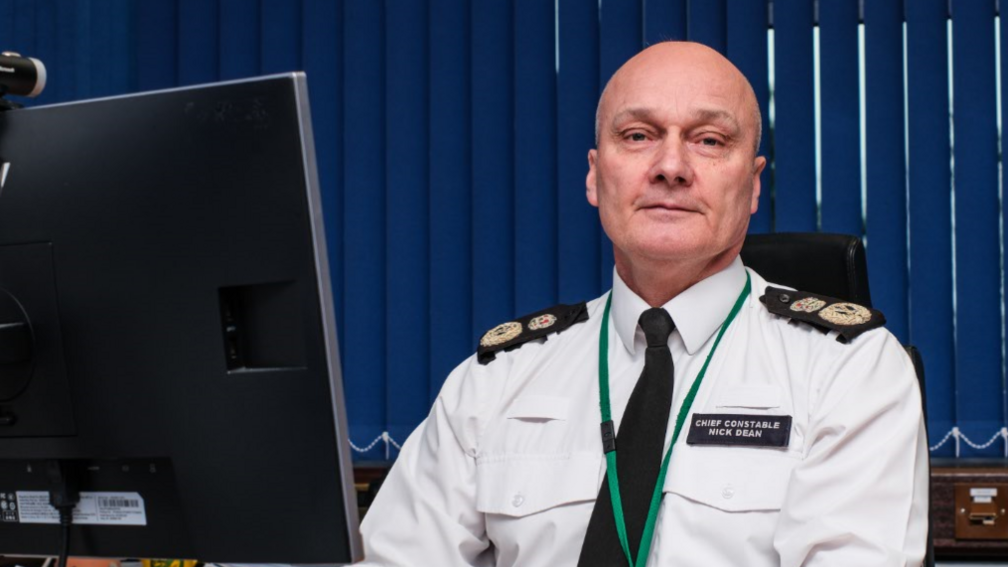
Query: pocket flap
(755, 397)
(733, 479)
(520, 485)
(538, 407)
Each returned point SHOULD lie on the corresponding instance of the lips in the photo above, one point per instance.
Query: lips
(668, 207)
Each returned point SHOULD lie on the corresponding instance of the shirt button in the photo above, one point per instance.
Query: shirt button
(728, 492)
(518, 500)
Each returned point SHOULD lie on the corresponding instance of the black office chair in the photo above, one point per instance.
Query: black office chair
(829, 264)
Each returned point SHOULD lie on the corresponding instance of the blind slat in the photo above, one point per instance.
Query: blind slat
(535, 156)
(82, 48)
(663, 21)
(885, 162)
(930, 179)
(47, 49)
(492, 151)
(364, 218)
(406, 176)
(794, 138)
(24, 36)
(451, 213)
(748, 21)
(281, 29)
(7, 24)
(978, 319)
(577, 88)
(157, 29)
(101, 48)
(840, 118)
(67, 53)
(707, 24)
(121, 15)
(198, 57)
(620, 39)
(1003, 40)
(323, 57)
(239, 38)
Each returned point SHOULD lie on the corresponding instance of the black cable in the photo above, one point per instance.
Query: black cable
(66, 518)
(64, 495)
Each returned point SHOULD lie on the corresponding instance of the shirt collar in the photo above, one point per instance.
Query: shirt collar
(697, 311)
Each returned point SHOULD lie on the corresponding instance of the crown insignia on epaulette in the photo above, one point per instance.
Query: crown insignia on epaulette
(501, 334)
(827, 313)
(513, 334)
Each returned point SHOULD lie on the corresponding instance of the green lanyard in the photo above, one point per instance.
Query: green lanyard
(614, 492)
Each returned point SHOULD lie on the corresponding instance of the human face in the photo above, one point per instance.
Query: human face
(675, 177)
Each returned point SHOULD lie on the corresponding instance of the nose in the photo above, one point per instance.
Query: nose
(672, 164)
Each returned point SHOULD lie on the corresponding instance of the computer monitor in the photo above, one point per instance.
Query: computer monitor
(167, 329)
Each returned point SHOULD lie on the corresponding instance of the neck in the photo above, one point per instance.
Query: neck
(658, 282)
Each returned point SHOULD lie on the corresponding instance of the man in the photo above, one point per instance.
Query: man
(792, 446)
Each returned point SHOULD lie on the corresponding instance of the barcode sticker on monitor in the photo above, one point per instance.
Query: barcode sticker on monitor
(94, 508)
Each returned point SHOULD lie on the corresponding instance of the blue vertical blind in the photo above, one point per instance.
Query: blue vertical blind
(452, 137)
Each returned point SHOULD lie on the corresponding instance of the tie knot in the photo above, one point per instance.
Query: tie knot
(657, 325)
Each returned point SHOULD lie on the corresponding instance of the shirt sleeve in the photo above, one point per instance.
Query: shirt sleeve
(425, 512)
(860, 494)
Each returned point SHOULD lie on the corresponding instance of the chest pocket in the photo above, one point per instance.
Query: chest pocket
(756, 397)
(733, 479)
(538, 408)
(519, 485)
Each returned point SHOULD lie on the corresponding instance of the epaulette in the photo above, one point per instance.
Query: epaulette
(826, 313)
(513, 334)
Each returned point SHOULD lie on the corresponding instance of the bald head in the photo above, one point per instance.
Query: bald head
(672, 61)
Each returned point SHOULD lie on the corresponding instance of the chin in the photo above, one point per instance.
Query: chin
(674, 252)
(672, 243)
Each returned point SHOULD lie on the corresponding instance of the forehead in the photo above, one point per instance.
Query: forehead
(684, 85)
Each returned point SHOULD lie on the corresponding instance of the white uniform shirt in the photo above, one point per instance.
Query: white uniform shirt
(506, 468)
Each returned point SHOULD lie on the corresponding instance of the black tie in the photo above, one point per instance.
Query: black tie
(639, 447)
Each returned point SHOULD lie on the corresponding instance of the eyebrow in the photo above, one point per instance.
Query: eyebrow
(634, 113)
(718, 115)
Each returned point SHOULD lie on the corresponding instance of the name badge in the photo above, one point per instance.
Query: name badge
(739, 429)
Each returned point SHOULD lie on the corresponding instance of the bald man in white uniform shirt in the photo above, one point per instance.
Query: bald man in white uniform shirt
(802, 442)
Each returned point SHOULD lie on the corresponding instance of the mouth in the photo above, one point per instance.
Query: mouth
(667, 207)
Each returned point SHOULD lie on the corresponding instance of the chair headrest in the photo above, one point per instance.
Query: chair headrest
(828, 264)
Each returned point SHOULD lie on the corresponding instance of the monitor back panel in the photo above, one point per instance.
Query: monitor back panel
(168, 252)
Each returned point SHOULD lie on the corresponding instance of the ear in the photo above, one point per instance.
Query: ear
(591, 182)
(758, 166)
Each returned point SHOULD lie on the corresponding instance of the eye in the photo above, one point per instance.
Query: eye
(637, 137)
(712, 142)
